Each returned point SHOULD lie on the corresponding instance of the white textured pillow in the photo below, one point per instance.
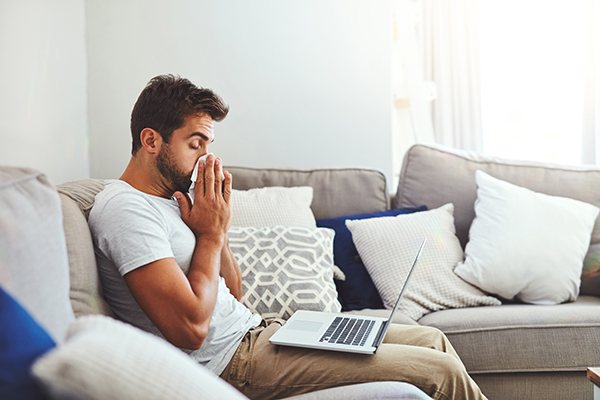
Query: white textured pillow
(285, 269)
(388, 246)
(107, 359)
(525, 244)
(273, 206)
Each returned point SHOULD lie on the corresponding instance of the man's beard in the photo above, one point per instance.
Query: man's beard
(177, 180)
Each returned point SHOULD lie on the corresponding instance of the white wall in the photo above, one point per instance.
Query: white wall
(308, 81)
(43, 113)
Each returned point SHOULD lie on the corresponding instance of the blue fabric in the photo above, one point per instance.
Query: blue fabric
(358, 290)
(22, 341)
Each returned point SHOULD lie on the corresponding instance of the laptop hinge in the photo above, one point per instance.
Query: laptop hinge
(379, 336)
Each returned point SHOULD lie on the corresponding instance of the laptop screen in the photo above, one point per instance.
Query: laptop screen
(389, 321)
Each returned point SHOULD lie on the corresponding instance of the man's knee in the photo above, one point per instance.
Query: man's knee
(452, 381)
(448, 365)
(433, 338)
(447, 370)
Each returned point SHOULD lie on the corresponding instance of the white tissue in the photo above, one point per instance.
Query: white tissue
(195, 176)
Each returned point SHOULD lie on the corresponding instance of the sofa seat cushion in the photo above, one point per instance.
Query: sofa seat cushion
(523, 337)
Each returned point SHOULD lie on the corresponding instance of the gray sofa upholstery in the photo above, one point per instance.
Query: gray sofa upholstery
(47, 264)
(513, 351)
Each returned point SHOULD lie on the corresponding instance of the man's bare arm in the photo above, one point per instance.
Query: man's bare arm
(181, 306)
(231, 272)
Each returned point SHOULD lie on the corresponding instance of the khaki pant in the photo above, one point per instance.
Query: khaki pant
(419, 355)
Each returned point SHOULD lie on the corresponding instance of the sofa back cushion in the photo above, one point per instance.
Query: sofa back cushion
(435, 175)
(33, 254)
(77, 199)
(337, 192)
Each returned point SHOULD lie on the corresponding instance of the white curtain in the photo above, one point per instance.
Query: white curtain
(591, 125)
(450, 43)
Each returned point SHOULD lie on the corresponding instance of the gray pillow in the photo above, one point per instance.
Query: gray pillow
(388, 246)
(285, 269)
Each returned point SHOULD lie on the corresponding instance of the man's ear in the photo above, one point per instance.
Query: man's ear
(151, 140)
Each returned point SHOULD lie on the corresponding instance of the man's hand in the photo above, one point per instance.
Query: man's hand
(210, 215)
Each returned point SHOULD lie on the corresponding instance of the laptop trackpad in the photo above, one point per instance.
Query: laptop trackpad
(308, 326)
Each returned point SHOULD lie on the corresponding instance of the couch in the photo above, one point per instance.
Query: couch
(512, 351)
(58, 339)
(515, 350)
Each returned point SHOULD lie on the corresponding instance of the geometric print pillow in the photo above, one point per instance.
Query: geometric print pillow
(285, 269)
(388, 246)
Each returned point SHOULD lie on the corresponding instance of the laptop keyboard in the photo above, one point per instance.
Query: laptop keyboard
(348, 331)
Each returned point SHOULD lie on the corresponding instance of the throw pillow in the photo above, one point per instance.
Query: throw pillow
(22, 341)
(285, 269)
(107, 359)
(357, 291)
(272, 206)
(526, 244)
(388, 246)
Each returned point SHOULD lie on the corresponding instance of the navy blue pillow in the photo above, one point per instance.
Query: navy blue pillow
(22, 341)
(358, 290)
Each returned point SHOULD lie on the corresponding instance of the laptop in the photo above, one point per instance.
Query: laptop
(339, 332)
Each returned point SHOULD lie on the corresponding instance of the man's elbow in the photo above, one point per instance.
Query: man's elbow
(191, 337)
(239, 293)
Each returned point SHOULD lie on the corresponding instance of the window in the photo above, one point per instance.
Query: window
(532, 78)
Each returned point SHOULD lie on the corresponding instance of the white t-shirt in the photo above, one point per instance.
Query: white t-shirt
(131, 229)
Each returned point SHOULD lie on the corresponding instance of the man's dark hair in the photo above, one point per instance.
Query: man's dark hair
(165, 103)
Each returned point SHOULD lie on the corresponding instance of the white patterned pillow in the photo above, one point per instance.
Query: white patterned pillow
(273, 206)
(388, 246)
(285, 269)
(107, 359)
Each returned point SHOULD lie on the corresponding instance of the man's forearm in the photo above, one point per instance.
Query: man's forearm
(181, 306)
(203, 275)
(231, 272)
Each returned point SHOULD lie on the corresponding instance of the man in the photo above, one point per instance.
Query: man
(166, 266)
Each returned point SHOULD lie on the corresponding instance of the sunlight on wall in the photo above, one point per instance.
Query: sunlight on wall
(532, 78)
